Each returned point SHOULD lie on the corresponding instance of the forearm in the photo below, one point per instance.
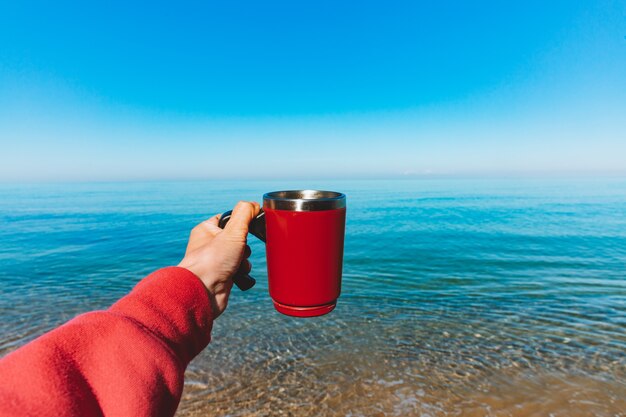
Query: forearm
(127, 360)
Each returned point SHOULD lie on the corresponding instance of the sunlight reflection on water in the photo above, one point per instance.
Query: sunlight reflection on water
(459, 297)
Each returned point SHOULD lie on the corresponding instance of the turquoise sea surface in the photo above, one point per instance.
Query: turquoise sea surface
(459, 297)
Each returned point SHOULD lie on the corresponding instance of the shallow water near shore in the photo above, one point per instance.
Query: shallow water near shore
(459, 297)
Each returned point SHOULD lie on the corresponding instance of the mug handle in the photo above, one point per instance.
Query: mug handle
(257, 228)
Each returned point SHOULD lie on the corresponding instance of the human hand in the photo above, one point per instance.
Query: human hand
(215, 255)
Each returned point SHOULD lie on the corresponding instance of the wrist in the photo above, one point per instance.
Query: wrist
(215, 310)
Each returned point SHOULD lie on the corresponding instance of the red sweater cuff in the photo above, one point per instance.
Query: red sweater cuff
(173, 304)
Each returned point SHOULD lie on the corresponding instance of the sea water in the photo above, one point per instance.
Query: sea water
(459, 297)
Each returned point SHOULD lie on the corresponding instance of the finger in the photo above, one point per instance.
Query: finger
(212, 225)
(243, 213)
(247, 252)
(215, 220)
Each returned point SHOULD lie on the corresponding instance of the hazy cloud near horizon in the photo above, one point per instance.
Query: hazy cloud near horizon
(298, 91)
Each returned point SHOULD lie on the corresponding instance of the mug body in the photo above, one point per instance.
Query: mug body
(305, 235)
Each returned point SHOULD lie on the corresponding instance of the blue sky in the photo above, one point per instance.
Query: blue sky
(116, 91)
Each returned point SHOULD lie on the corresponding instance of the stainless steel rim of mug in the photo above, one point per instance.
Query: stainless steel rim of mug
(304, 200)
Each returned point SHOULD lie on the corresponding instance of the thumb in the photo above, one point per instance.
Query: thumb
(243, 213)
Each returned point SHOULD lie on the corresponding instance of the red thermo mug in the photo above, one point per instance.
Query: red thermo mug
(304, 234)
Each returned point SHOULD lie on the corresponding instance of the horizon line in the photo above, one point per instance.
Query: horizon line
(563, 175)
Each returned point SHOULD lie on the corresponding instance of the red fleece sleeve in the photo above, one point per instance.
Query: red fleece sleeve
(126, 361)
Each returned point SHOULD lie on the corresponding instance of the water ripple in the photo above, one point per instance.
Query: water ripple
(502, 298)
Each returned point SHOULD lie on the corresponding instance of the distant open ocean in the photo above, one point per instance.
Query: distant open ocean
(460, 297)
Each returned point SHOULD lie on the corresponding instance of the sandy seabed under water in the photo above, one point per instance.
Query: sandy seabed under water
(539, 395)
(342, 386)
